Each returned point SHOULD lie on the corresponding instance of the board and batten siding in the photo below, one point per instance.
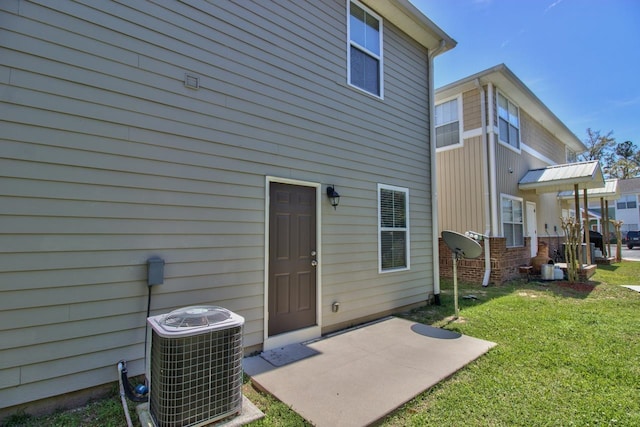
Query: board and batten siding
(460, 192)
(108, 159)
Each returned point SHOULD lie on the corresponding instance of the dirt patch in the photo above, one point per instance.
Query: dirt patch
(577, 286)
(526, 294)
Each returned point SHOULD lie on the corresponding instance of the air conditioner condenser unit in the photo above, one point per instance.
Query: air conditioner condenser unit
(194, 366)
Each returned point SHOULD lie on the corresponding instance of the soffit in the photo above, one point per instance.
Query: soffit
(409, 19)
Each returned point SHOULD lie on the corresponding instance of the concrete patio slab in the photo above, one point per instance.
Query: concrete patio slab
(357, 377)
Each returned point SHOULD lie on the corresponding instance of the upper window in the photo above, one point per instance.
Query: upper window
(393, 223)
(447, 124)
(365, 49)
(508, 122)
(512, 221)
(572, 157)
(627, 202)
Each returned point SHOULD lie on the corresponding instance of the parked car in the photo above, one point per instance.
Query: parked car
(633, 239)
(596, 238)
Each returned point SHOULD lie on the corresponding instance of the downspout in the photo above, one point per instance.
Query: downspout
(434, 188)
(492, 167)
(485, 187)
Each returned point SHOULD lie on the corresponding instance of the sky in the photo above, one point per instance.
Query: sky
(581, 58)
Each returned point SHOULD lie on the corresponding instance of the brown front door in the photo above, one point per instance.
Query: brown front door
(292, 257)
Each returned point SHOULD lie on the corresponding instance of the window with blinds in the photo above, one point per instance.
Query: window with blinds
(512, 221)
(365, 49)
(508, 122)
(447, 124)
(393, 208)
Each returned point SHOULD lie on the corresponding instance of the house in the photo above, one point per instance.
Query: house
(627, 206)
(502, 157)
(621, 204)
(205, 135)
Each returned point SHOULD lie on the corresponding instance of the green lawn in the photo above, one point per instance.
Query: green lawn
(566, 356)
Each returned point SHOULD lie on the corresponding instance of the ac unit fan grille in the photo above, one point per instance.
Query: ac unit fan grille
(196, 379)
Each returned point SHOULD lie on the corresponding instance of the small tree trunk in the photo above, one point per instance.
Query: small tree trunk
(571, 228)
(618, 228)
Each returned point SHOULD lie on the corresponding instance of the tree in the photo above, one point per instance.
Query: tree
(627, 161)
(599, 147)
(618, 160)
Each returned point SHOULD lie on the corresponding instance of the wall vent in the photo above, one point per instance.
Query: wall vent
(191, 81)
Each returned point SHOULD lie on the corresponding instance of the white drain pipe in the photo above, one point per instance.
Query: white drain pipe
(434, 187)
(485, 187)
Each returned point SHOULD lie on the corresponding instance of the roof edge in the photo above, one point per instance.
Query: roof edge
(407, 17)
(501, 75)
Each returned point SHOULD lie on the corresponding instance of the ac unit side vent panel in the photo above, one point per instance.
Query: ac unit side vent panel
(195, 379)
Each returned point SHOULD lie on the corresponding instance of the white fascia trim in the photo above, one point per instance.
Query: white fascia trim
(450, 147)
(527, 149)
(472, 133)
(509, 146)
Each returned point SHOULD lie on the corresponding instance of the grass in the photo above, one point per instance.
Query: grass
(565, 356)
(103, 413)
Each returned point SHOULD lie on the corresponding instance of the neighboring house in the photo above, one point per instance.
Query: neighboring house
(624, 206)
(207, 134)
(502, 157)
(628, 205)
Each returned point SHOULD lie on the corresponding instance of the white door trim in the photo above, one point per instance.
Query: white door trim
(304, 334)
(532, 227)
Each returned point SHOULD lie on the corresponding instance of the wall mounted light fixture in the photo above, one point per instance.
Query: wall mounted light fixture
(334, 197)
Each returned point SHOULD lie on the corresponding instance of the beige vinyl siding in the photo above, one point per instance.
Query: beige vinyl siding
(107, 160)
(460, 193)
(471, 110)
(519, 163)
(534, 135)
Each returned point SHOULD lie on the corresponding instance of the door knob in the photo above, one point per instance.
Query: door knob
(314, 263)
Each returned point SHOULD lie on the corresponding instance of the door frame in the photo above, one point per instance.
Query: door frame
(311, 332)
(534, 223)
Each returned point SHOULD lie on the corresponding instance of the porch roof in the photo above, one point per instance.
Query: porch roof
(610, 191)
(565, 177)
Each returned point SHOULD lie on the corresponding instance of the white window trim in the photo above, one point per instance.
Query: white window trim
(378, 57)
(517, 149)
(407, 229)
(460, 143)
(521, 200)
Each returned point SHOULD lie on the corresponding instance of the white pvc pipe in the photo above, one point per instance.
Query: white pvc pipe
(492, 162)
(123, 397)
(434, 187)
(485, 185)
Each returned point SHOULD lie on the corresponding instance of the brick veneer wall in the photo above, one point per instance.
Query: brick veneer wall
(554, 243)
(504, 262)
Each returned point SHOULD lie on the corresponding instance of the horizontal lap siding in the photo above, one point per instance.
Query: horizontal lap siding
(107, 160)
(540, 139)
